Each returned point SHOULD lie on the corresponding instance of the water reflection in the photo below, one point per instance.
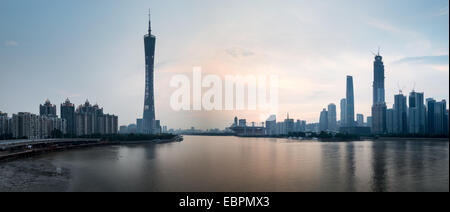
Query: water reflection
(257, 164)
(350, 166)
(379, 166)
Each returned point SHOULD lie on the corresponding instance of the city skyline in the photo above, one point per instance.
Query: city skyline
(421, 59)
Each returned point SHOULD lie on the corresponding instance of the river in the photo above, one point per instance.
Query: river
(207, 163)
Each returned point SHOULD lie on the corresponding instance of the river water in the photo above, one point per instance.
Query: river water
(237, 164)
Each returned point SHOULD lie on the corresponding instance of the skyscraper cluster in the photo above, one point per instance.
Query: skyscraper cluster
(407, 116)
(85, 120)
(90, 120)
(416, 118)
(32, 126)
(271, 128)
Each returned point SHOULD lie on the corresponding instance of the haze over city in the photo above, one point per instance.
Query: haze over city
(94, 50)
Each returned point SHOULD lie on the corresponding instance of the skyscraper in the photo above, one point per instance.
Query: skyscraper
(400, 115)
(332, 123)
(360, 120)
(271, 124)
(323, 123)
(350, 104)
(343, 110)
(440, 118)
(68, 113)
(149, 101)
(47, 109)
(430, 104)
(379, 105)
(390, 121)
(416, 113)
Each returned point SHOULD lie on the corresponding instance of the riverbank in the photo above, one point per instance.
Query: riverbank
(14, 150)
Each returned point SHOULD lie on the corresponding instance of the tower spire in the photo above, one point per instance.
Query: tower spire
(149, 23)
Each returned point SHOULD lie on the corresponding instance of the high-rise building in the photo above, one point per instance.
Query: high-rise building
(430, 104)
(271, 125)
(350, 103)
(369, 121)
(149, 124)
(47, 109)
(242, 122)
(343, 110)
(332, 122)
(289, 125)
(440, 118)
(90, 119)
(379, 105)
(416, 113)
(390, 121)
(4, 128)
(323, 121)
(360, 120)
(400, 115)
(68, 113)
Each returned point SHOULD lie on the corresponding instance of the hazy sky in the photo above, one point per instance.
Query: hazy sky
(84, 49)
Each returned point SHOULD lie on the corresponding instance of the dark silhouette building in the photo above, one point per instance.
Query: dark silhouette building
(350, 104)
(68, 113)
(47, 109)
(379, 105)
(149, 124)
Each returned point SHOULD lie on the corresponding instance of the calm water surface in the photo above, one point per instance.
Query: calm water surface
(240, 164)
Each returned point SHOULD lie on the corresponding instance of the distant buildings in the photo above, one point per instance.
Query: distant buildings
(68, 113)
(360, 120)
(416, 113)
(332, 122)
(47, 109)
(86, 120)
(323, 122)
(343, 112)
(390, 121)
(440, 116)
(400, 115)
(271, 125)
(91, 120)
(31, 126)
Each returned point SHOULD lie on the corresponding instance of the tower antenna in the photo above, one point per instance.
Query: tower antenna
(378, 50)
(149, 22)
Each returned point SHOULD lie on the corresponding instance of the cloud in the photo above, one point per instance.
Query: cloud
(435, 60)
(239, 52)
(443, 11)
(11, 43)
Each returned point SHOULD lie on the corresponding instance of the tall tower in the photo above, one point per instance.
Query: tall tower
(379, 105)
(149, 101)
(378, 80)
(350, 106)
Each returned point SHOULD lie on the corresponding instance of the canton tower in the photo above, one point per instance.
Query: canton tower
(149, 101)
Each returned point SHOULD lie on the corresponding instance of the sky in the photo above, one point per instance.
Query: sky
(83, 49)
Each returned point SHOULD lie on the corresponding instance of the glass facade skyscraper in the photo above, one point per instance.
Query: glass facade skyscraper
(379, 105)
(350, 104)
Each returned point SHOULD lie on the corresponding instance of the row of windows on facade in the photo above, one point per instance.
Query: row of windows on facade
(85, 120)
